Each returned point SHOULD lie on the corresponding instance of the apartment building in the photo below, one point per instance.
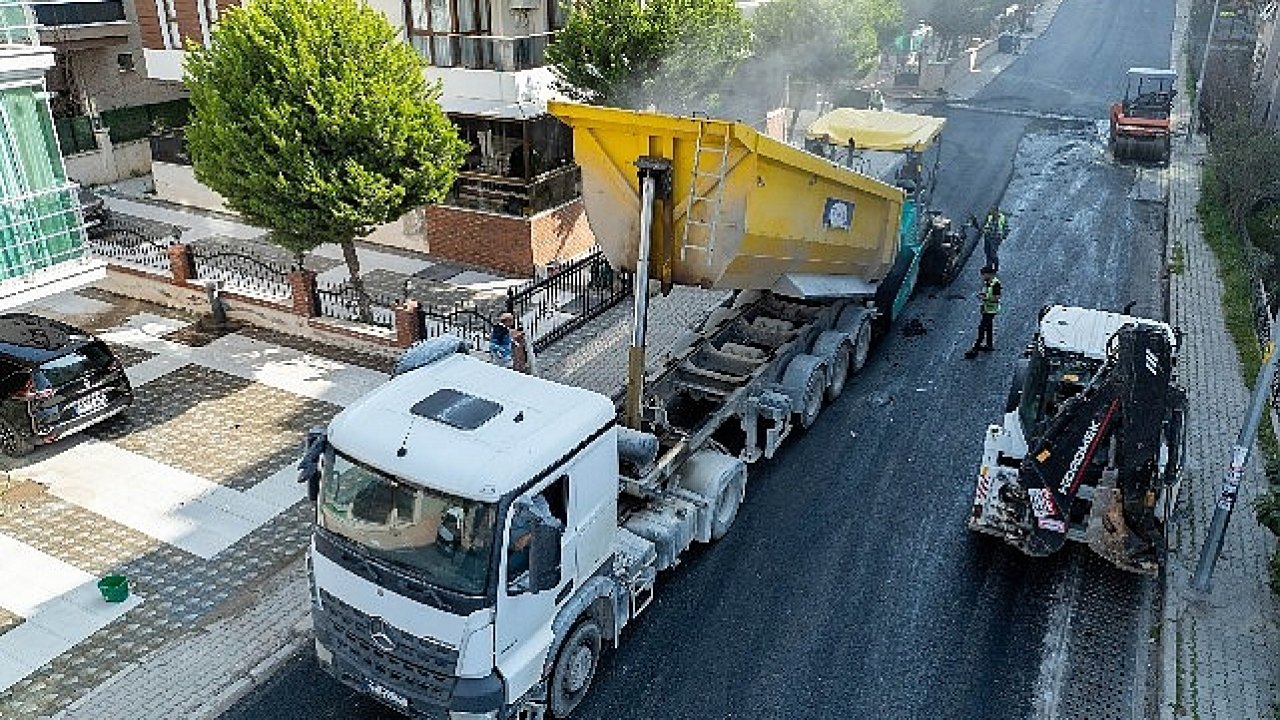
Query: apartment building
(516, 204)
(1266, 70)
(42, 238)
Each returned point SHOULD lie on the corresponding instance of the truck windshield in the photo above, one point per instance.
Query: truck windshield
(444, 540)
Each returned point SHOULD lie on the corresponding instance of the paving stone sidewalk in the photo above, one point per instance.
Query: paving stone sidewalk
(1221, 651)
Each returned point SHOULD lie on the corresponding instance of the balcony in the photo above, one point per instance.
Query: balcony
(80, 25)
(515, 196)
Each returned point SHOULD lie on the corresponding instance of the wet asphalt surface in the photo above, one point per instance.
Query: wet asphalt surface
(849, 586)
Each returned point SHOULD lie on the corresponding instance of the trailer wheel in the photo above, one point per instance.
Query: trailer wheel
(575, 667)
(805, 382)
(840, 367)
(861, 346)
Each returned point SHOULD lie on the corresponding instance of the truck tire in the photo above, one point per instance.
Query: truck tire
(835, 347)
(722, 480)
(805, 383)
(575, 667)
(861, 346)
(841, 366)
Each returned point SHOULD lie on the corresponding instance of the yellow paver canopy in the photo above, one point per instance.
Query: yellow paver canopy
(877, 129)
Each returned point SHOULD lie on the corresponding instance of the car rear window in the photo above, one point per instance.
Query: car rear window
(76, 364)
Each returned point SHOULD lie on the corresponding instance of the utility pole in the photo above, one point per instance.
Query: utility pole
(1204, 66)
(1226, 501)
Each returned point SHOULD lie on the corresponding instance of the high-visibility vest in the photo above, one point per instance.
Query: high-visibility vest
(998, 226)
(991, 297)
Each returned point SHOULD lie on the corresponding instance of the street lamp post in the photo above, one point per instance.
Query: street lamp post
(1226, 500)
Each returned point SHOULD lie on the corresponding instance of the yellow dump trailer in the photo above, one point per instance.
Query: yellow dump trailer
(744, 211)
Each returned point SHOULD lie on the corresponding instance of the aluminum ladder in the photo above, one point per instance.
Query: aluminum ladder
(702, 212)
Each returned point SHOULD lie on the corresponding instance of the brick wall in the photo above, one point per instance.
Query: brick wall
(473, 237)
(561, 234)
(510, 244)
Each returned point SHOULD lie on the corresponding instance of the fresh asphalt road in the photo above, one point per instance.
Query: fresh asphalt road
(849, 586)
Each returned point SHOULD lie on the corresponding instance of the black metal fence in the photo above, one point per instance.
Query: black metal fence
(462, 320)
(342, 302)
(570, 296)
(243, 271)
(133, 243)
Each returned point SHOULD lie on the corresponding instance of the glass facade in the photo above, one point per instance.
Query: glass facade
(40, 220)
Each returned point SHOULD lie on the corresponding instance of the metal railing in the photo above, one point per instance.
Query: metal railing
(484, 52)
(462, 320)
(516, 196)
(242, 271)
(342, 302)
(133, 243)
(571, 295)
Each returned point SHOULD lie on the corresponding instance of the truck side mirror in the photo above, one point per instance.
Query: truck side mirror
(309, 466)
(544, 556)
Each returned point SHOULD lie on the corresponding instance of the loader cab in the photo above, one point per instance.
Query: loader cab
(1050, 380)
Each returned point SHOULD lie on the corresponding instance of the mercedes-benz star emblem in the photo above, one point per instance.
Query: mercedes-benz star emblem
(378, 634)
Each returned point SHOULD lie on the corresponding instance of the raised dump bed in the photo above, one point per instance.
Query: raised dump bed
(745, 211)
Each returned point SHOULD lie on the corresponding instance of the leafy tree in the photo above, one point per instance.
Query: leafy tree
(630, 54)
(315, 121)
(955, 20)
(1242, 160)
(811, 45)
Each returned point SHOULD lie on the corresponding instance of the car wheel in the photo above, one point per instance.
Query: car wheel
(13, 442)
(575, 667)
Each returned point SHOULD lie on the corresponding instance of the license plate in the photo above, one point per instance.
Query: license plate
(389, 696)
(90, 403)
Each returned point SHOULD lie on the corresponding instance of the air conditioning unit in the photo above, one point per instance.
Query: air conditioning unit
(124, 61)
(525, 5)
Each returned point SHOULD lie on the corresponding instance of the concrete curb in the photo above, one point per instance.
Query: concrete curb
(258, 675)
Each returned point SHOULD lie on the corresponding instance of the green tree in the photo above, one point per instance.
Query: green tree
(826, 42)
(955, 20)
(1242, 160)
(315, 121)
(627, 53)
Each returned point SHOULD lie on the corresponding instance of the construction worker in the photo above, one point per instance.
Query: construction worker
(989, 297)
(995, 228)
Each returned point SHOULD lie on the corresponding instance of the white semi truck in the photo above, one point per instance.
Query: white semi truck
(481, 535)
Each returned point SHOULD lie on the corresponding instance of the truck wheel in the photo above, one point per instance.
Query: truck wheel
(861, 346)
(575, 668)
(721, 480)
(728, 503)
(12, 441)
(805, 382)
(840, 366)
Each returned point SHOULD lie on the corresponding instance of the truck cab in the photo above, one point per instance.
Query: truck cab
(458, 508)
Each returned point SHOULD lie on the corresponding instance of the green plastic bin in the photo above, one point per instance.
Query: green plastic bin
(114, 588)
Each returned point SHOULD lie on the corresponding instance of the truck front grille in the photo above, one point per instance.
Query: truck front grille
(369, 649)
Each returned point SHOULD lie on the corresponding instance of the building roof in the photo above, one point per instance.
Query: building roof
(534, 425)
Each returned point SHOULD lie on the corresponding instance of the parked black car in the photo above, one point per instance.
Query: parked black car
(55, 380)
